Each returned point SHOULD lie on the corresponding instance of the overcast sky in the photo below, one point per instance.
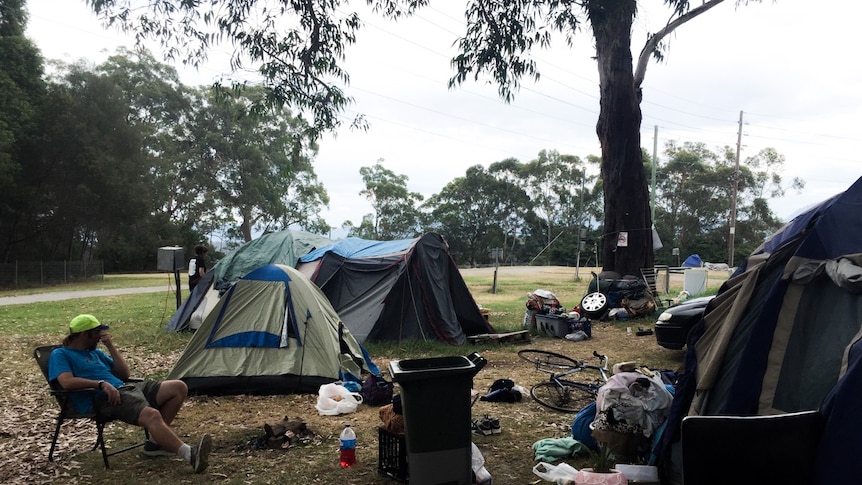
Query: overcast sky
(790, 66)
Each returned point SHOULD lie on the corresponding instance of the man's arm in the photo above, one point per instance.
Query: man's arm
(70, 383)
(120, 369)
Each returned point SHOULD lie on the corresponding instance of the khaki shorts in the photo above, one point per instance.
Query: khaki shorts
(134, 397)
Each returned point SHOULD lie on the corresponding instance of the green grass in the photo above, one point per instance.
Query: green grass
(109, 281)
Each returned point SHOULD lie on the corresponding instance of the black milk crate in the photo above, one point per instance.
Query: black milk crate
(392, 455)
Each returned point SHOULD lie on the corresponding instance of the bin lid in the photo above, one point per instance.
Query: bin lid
(431, 368)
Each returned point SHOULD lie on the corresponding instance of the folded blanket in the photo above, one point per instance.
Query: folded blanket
(553, 449)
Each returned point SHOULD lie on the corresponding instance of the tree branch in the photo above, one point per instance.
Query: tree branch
(652, 42)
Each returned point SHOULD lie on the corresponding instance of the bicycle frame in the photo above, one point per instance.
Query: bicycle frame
(602, 369)
(560, 391)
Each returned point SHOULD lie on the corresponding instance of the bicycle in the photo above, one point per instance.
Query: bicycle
(560, 392)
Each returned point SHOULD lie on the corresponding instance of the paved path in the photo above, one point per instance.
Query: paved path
(68, 295)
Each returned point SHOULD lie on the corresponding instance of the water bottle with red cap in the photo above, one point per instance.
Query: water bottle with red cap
(347, 450)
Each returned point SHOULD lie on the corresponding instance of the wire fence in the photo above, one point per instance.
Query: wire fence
(39, 273)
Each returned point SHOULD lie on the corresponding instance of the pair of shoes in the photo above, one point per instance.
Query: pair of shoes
(153, 449)
(486, 426)
(201, 453)
(482, 427)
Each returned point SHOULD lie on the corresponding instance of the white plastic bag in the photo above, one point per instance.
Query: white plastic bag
(562, 474)
(483, 477)
(334, 399)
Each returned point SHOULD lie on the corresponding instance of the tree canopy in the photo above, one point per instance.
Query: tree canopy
(299, 48)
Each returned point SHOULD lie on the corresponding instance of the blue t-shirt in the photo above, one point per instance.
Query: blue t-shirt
(89, 364)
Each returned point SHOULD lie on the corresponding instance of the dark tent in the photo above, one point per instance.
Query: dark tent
(397, 290)
(783, 336)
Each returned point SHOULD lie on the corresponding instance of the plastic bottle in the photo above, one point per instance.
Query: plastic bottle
(348, 447)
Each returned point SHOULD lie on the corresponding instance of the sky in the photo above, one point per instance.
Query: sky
(789, 66)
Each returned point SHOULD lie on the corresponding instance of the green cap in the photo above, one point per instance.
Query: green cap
(85, 322)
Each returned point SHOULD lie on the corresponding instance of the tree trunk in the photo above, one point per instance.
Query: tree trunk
(624, 181)
(245, 227)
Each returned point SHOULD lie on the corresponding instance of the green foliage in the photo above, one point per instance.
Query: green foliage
(255, 166)
(694, 194)
(395, 214)
(22, 92)
(480, 211)
(602, 461)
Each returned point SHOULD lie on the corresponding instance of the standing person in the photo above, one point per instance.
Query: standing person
(78, 364)
(200, 266)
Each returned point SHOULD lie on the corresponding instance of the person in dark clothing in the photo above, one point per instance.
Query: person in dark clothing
(198, 266)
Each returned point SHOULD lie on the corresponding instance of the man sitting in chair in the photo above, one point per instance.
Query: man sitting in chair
(152, 405)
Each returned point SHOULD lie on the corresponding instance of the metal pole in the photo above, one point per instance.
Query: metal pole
(654, 163)
(733, 195)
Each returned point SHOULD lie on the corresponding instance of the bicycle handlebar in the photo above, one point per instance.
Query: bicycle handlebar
(603, 359)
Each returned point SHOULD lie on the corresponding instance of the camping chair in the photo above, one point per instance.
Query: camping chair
(650, 275)
(743, 450)
(67, 409)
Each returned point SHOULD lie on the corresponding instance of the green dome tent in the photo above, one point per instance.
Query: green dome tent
(273, 332)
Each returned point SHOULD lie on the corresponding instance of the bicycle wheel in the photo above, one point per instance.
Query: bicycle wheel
(549, 361)
(562, 397)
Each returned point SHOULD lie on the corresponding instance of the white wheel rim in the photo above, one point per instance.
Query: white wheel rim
(594, 302)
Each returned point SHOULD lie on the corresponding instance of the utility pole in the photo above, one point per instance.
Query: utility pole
(654, 163)
(580, 230)
(733, 195)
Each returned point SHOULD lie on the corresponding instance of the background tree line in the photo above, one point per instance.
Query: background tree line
(112, 161)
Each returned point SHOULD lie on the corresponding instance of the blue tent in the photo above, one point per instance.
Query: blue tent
(781, 336)
(693, 261)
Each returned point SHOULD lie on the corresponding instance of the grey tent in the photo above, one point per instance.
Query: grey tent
(397, 290)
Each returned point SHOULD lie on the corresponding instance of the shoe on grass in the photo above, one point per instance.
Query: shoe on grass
(153, 449)
(201, 453)
(495, 425)
(482, 427)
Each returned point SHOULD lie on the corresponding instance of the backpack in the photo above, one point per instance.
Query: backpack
(193, 266)
(376, 391)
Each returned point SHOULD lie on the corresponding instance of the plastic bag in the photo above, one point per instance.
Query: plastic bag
(562, 474)
(333, 399)
(478, 465)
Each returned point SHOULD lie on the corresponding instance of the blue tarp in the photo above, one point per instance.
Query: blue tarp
(354, 247)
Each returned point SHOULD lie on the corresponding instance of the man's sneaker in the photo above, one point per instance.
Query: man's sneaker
(495, 425)
(201, 453)
(153, 449)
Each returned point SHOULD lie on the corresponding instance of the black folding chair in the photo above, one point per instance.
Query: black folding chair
(67, 409)
(779, 448)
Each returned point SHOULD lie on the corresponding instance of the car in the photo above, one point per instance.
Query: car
(675, 323)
